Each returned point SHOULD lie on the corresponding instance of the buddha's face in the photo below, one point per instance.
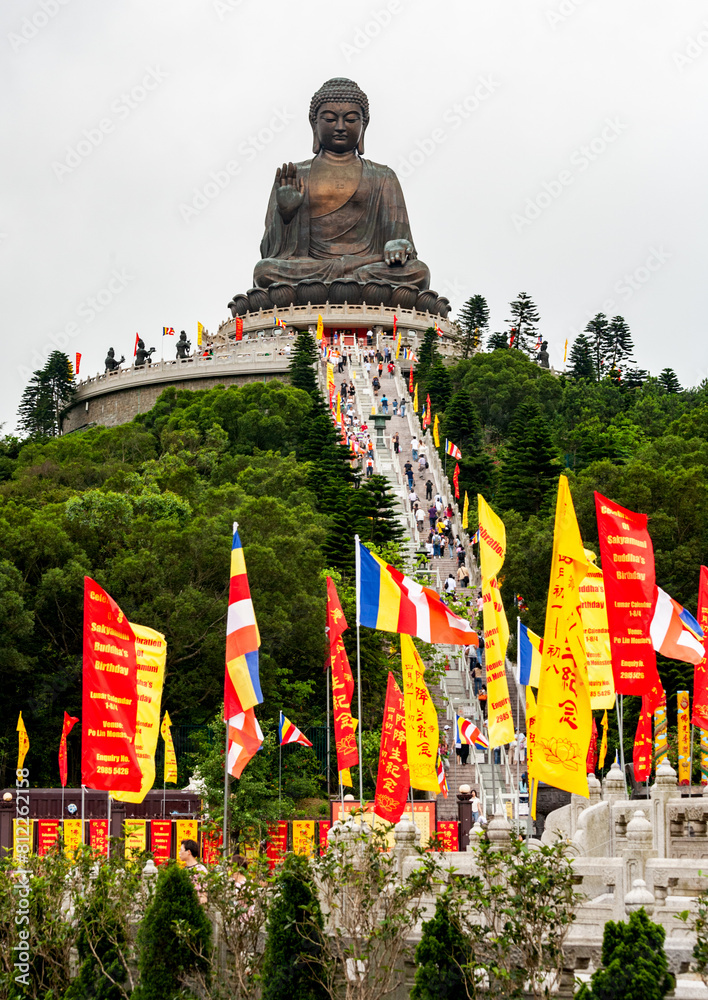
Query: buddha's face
(340, 127)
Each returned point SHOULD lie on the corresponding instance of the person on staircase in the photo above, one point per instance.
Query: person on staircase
(463, 576)
(429, 490)
(414, 448)
(476, 803)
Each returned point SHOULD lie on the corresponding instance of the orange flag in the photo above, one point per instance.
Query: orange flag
(69, 723)
(393, 781)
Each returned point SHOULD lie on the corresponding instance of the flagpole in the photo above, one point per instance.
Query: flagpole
(280, 775)
(357, 560)
(619, 705)
(690, 762)
(83, 790)
(328, 760)
(224, 835)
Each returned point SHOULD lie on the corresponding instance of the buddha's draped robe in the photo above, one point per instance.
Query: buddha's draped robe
(347, 242)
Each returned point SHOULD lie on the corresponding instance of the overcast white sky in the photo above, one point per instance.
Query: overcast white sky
(573, 168)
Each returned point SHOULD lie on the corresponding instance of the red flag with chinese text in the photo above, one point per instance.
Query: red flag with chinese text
(69, 723)
(456, 480)
(342, 683)
(239, 328)
(410, 381)
(643, 741)
(700, 672)
(392, 783)
(592, 750)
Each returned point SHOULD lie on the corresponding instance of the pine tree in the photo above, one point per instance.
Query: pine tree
(524, 321)
(619, 345)
(669, 380)
(634, 962)
(437, 384)
(302, 361)
(461, 425)
(46, 397)
(597, 327)
(530, 468)
(441, 956)
(497, 341)
(165, 959)
(294, 919)
(427, 355)
(473, 320)
(582, 367)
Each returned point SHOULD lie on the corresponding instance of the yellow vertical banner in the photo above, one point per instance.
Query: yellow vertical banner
(492, 549)
(436, 434)
(661, 739)
(200, 332)
(151, 652)
(603, 742)
(72, 836)
(186, 829)
(304, 836)
(530, 730)
(564, 719)
(170, 769)
(415, 398)
(684, 739)
(398, 345)
(421, 721)
(466, 513)
(22, 838)
(704, 757)
(593, 611)
(22, 743)
(320, 327)
(135, 832)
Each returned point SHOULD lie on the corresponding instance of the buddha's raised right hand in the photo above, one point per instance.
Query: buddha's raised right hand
(289, 192)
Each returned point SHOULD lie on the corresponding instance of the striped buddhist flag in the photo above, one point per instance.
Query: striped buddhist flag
(389, 601)
(277, 321)
(475, 538)
(442, 777)
(452, 450)
(529, 656)
(245, 740)
(168, 331)
(242, 686)
(468, 733)
(288, 733)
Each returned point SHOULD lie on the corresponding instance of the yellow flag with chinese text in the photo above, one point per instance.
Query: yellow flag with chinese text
(564, 719)
(436, 432)
(22, 743)
(422, 734)
(398, 346)
(320, 327)
(339, 408)
(170, 769)
(593, 611)
(415, 398)
(330, 374)
(492, 549)
(603, 742)
(200, 331)
(465, 511)
(530, 729)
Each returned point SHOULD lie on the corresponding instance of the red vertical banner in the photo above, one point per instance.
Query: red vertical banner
(700, 673)
(98, 836)
(47, 835)
(161, 840)
(69, 723)
(448, 835)
(684, 740)
(277, 842)
(342, 683)
(211, 847)
(324, 826)
(591, 762)
(643, 741)
(239, 328)
(628, 569)
(110, 702)
(392, 782)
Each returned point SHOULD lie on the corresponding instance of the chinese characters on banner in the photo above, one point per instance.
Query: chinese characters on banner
(492, 548)
(563, 718)
(151, 652)
(277, 842)
(324, 830)
(185, 829)
(342, 683)
(98, 836)
(421, 721)
(47, 835)
(643, 742)
(211, 847)
(108, 758)
(597, 639)
(392, 781)
(72, 836)
(628, 571)
(161, 840)
(304, 837)
(591, 763)
(700, 674)
(684, 739)
(448, 835)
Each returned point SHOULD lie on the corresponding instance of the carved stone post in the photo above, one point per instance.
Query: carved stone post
(406, 837)
(499, 831)
(662, 790)
(639, 846)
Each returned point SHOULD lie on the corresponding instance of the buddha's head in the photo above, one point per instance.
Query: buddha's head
(339, 114)
(111, 352)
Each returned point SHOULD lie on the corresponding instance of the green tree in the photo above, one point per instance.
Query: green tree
(524, 322)
(437, 385)
(294, 937)
(473, 320)
(442, 954)
(669, 381)
(497, 341)
(619, 345)
(461, 425)
(46, 397)
(427, 355)
(598, 330)
(174, 937)
(302, 361)
(634, 962)
(530, 467)
(581, 360)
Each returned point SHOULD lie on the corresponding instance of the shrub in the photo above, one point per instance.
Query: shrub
(634, 962)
